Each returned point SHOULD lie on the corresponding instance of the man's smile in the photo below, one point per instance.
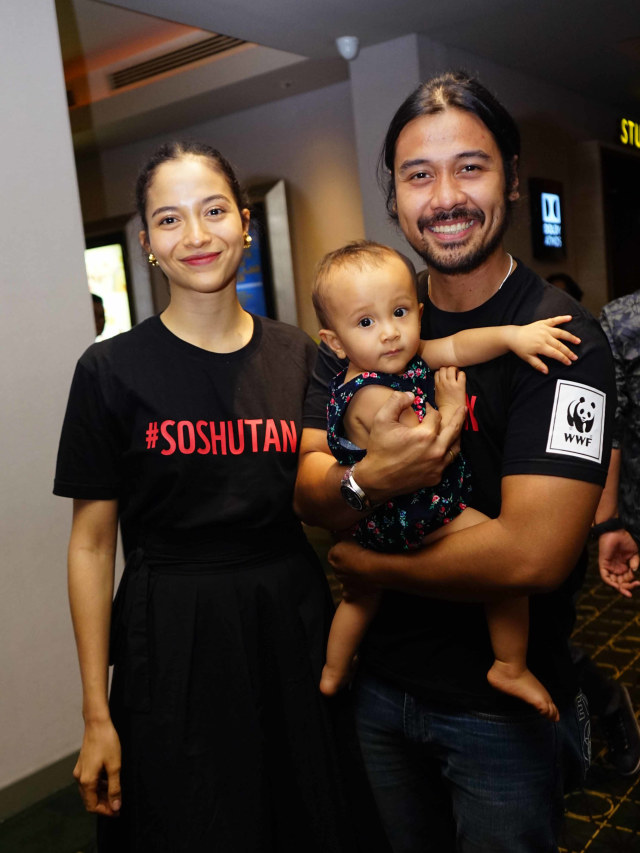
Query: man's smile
(451, 229)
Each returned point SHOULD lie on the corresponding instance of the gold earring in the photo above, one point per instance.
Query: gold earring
(153, 260)
(248, 240)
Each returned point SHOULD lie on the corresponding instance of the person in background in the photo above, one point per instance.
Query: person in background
(617, 519)
(609, 701)
(566, 283)
(98, 313)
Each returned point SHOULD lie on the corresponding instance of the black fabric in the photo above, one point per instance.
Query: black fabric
(227, 742)
(441, 650)
(187, 440)
(220, 622)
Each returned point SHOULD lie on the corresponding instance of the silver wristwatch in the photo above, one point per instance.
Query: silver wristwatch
(352, 493)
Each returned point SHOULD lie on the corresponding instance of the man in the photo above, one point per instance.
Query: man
(454, 764)
(618, 514)
(609, 700)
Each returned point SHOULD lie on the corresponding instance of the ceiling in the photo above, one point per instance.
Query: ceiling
(93, 32)
(592, 46)
(587, 46)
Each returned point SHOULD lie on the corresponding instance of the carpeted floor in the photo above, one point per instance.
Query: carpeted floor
(603, 818)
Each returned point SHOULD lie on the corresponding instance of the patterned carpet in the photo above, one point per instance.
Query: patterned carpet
(603, 818)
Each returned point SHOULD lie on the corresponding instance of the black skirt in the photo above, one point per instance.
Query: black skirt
(227, 743)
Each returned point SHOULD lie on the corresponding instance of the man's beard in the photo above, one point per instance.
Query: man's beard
(459, 262)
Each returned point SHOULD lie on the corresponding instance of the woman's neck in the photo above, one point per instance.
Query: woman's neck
(213, 322)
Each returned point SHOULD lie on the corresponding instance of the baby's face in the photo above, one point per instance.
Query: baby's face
(375, 315)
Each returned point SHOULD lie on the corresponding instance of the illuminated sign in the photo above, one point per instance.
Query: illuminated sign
(629, 132)
(551, 219)
(547, 231)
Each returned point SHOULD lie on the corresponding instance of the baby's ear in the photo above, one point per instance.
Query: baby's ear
(332, 341)
(420, 309)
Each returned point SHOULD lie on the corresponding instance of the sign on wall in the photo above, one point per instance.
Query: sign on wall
(547, 220)
(629, 133)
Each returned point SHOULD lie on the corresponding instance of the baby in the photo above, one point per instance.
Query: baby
(366, 300)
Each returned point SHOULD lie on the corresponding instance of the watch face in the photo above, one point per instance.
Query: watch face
(354, 501)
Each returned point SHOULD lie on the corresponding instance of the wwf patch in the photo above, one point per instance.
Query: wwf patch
(577, 421)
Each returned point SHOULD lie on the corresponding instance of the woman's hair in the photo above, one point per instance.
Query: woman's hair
(457, 90)
(358, 254)
(562, 280)
(176, 151)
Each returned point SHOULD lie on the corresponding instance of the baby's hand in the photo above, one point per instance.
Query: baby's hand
(543, 338)
(450, 384)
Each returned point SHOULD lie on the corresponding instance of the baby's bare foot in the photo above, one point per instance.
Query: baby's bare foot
(523, 684)
(334, 679)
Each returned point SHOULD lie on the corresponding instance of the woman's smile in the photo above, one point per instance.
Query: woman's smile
(201, 259)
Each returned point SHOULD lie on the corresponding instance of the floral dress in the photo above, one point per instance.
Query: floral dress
(401, 523)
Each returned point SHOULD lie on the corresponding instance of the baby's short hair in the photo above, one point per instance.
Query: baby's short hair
(359, 254)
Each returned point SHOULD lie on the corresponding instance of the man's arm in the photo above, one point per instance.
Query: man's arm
(608, 504)
(361, 412)
(400, 459)
(530, 548)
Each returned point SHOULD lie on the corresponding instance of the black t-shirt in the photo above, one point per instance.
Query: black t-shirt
(519, 422)
(188, 441)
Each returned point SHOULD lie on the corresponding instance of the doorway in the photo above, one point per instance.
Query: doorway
(621, 194)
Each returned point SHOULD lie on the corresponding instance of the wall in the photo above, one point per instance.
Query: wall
(45, 323)
(307, 139)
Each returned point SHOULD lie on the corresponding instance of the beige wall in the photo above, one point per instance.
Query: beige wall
(45, 322)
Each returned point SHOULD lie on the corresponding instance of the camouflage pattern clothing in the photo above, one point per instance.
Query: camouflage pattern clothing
(620, 320)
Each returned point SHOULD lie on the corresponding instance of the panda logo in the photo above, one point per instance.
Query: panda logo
(577, 421)
(581, 415)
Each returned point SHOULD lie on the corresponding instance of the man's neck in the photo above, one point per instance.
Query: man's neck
(469, 290)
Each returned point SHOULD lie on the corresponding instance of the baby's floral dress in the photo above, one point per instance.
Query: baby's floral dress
(403, 522)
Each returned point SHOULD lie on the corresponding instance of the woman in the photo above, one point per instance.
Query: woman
(185, 429)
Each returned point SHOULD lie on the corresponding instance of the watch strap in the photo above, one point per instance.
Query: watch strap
(607, 526)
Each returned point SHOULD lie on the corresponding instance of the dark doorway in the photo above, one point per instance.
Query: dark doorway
(621, 192)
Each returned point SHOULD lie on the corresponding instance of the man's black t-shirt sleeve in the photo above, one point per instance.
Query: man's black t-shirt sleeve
(327, 366)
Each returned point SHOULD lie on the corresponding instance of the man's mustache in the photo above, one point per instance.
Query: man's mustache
(450, 216)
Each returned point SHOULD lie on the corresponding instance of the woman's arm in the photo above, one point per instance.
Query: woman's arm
(92, 548)
(473, 346)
